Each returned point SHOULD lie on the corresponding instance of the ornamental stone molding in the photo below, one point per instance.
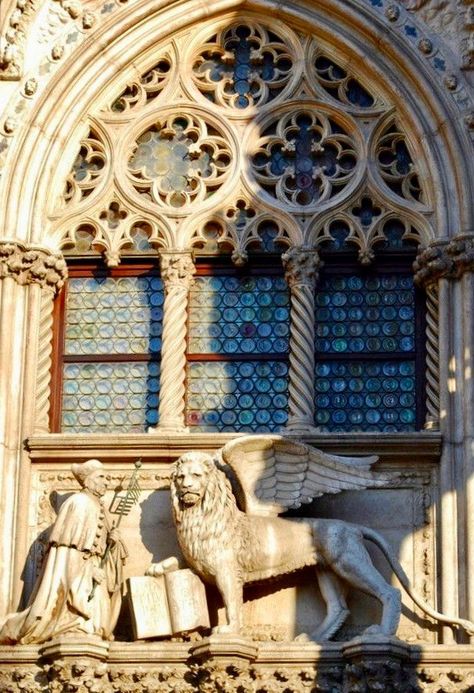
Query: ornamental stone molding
(445, 259)
(362, 665)
(31, 265)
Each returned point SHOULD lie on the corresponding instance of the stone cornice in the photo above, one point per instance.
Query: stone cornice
(445, 259)
(32, 265)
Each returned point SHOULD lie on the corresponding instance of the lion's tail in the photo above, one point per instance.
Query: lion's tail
(379, 541)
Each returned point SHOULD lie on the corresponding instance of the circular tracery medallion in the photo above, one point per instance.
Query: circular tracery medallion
(304, 157)
(180, 160)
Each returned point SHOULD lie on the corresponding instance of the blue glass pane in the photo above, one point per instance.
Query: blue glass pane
(237, 395)
(356, 314)
(114, 315)
(239, 315)
(107, 397)
(365, 396)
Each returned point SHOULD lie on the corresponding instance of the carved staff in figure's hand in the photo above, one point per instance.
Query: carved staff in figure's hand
(121, 506)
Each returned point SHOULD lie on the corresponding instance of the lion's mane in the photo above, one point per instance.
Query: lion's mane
(214, 520)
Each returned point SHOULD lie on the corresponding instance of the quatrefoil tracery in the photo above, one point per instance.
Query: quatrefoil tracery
(179, 161)
(296, 125)
(243, 65)
(304, 158)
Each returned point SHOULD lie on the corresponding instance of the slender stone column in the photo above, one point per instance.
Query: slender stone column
(461, 251)
(432, 269)
(447, 269)
(26, 274)
(177, 270)
(301, 272)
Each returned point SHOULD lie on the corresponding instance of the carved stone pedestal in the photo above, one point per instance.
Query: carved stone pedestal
(376, 663)
(78, 665)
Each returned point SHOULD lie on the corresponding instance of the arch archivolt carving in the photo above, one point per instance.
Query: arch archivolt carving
(294, 135)
(151, 77)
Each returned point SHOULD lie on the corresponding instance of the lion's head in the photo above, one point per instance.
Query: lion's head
(196, 482)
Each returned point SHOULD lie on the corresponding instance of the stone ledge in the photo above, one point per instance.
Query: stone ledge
(424, 446)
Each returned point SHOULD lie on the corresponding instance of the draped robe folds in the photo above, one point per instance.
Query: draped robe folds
(61, 603)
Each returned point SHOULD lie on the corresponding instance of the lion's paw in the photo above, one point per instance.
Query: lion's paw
(374, 630)
(303, 637)
(225, 629)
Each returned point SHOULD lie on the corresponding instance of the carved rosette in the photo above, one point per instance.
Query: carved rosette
(177, 270)
(30, 265)
(301, 272)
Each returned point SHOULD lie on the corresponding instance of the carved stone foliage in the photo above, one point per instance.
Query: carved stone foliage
(29, 265)
(286, 142)
(216, 675)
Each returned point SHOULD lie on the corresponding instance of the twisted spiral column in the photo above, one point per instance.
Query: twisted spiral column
(301, 272)
(177, 270)
(432, 358)
(45, 350)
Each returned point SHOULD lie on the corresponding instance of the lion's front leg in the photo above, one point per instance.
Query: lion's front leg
(230, 586)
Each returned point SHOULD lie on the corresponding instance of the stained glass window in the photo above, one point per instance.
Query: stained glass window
(366, 352)
(110, 352)
(237, 353)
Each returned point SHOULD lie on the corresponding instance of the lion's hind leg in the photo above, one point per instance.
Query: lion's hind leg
(346, 553)
(337, 611)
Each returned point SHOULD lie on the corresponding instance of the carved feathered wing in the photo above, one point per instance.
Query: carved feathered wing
(278, 474)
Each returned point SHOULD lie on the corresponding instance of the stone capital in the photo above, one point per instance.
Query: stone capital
(432, 263)
(447, 258)
(177, 268)
(301, 266)
(461, 252)
(28, 264)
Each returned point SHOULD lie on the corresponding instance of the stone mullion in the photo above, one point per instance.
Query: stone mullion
(301, 273)
(177, 270)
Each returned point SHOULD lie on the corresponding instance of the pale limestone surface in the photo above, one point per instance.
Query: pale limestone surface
(66, 60)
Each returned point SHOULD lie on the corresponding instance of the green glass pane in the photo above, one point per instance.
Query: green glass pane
(114, 315)
(237, 396)
(109, 397)
(231, 315)
(372, 315)
(365, 396)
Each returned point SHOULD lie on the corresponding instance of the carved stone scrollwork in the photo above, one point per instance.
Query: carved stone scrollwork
(301, 272)
(177, 270)
(29, 265)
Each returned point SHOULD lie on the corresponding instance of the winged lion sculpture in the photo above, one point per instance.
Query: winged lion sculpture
(231, 540)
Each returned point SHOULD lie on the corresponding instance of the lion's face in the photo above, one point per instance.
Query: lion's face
(190, 479)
